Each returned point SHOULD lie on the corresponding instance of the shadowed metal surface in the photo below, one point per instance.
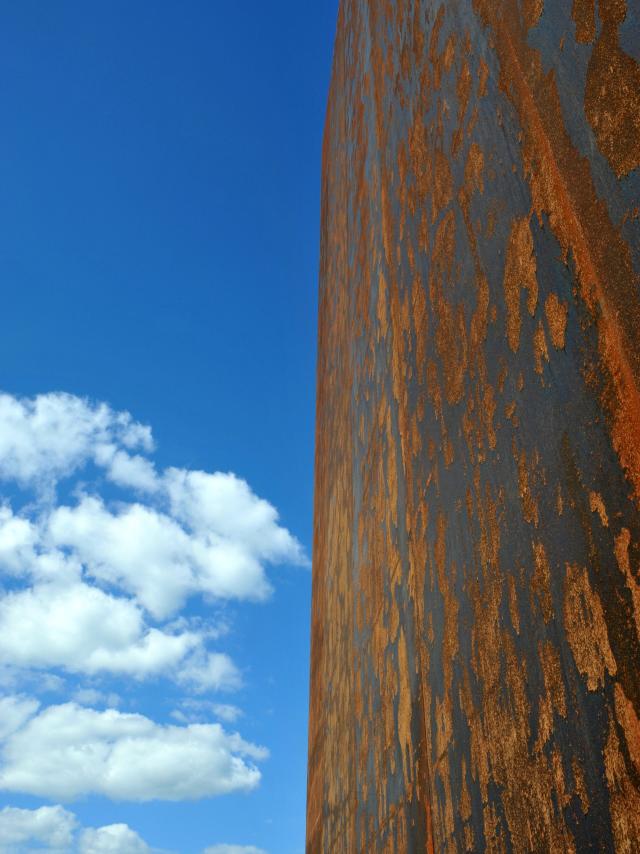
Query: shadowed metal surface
(475, 672)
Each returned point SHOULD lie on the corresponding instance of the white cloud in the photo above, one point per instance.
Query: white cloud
(14, 679)
(85, 630)
(233, 849)
(63, 622)
(112, 839)
(67, 751)
(14, 713)
(93, 697)
(197, 534)
(18, 538)
(227, 712)
(92, 587)
(50, 436)
(204, 671)
(137, 549)
(59, 830)
(151, 556)
(24, 554)
(52, 826)
(198, 710)
(134, 471)
(223, 504)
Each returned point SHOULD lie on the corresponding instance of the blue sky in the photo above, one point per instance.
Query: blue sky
(159, 223)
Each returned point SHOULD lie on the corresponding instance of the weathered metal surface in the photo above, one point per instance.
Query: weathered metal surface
(476, 595)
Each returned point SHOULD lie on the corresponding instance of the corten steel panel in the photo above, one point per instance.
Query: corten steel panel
(476, 594)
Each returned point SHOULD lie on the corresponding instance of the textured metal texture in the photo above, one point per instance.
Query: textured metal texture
(475, 681)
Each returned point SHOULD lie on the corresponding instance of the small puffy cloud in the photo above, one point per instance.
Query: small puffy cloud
(67, 751)
(51, 826)
(233, 849)
(112, 839)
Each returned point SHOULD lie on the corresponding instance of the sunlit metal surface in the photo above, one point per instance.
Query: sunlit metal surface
(475, 680)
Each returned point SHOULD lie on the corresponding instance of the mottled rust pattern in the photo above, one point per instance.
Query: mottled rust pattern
(475, 673)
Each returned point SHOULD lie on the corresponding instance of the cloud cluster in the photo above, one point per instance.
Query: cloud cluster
(112, 839)
(51, 826)
(59, 832)
(56, 830)
(91, 578)
(66, 751)
(102, 555)
(48, 437)
(61, 620)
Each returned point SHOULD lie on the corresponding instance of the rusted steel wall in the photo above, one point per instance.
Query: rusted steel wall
(476, 591)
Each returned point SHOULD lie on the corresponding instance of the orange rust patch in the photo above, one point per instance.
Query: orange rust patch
(579, 784)
(404, 706)
(463, 91)
(541, 585)
(489, 412)
(612, 95)
(559, 501)
(519, 272)
(474, 168)
(513, 603)
(625, 798)
(382, 305)
(584, 16)
(586, 628)
(596, 505)
(531, 11)
(540, 351)
(621, 549)
(556, 314)
(553, 700)
(628, 720)
(442, 185)
(483, 76)
(529, 503)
